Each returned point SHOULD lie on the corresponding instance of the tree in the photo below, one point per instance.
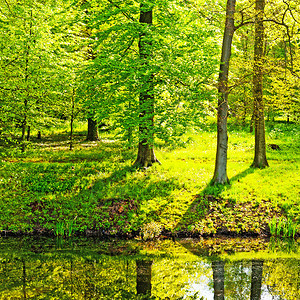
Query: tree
(260, 157)
(146, 156)
(151, 79)
(92, 132)
(220, 174)
(25, 63)
(33, 68)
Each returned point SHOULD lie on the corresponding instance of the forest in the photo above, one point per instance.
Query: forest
(150, 118)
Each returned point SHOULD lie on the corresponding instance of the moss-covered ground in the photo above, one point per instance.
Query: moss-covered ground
(94, 189)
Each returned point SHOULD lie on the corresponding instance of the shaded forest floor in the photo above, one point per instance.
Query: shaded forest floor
(94, 190)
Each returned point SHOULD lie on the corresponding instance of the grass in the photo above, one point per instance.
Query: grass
(48, 187)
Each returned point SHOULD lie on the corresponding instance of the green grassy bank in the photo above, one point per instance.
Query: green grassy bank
(94, 189)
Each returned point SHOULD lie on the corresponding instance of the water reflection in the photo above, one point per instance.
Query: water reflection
(256, 279)
(218, 276)
(143, 277)
(175, 273)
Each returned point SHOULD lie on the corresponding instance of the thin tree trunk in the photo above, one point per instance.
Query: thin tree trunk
(220, 174)
(143, 277)
(245, 50)
(24, 126)
(256, 279)
(244, 108)
(218, 277)
(72, 119)
(92, 134)
(25, 119)
(260, 158)
(146, 156)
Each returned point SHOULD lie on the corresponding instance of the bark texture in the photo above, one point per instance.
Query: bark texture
(92, 134)
(146, 156)
(218, 277)
(220, 174)
(143, 277)
(260, 157)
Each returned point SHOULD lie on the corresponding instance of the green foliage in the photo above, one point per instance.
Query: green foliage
(62, 61)
(283, 227)
(183, 62)
(65, 228)
(273, 226)
(96, 185)
(59, 229)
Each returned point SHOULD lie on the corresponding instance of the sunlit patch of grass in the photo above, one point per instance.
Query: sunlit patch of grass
(43, 187)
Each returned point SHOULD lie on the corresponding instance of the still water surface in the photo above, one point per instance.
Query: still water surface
(184, 269)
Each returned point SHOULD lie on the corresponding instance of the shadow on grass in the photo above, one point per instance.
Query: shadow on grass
(217, 189)
(101, 152)
(124, 200)
(211, 193)
(139, 186)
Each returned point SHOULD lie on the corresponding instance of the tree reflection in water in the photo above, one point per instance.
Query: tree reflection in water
(218, 277)
(68, 274)
(143, 277)
(256, 279)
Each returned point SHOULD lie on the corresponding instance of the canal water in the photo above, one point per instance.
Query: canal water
(219, 268)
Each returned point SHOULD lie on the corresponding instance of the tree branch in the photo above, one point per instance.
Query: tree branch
(124, 13)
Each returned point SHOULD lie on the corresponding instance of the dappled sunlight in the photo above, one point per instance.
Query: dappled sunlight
(177, 195)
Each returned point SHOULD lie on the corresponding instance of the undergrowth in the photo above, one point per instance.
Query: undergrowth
(48, 187)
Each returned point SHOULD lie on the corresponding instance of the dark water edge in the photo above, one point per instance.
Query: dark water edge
(164, 234)
(93, 268)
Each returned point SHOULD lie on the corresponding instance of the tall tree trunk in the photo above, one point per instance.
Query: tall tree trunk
(260, 158)
(218, 277)
(146, 156)
(256, 279)
(143, 277)
(220, 175)
(92, 134)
